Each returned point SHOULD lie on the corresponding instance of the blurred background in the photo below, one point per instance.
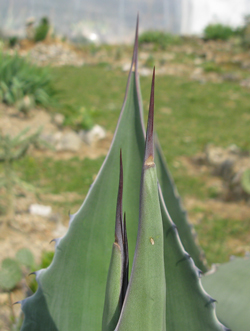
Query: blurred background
(63, 73)
(114, 22)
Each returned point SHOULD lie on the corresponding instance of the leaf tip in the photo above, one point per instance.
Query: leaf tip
(135, 53)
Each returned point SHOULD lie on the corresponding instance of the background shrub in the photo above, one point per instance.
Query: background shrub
(78, 118)
(19, 79)
(159, 38)
(211, 67)
(42, 29)
(218, 31)
(244, 32)
(13, 41)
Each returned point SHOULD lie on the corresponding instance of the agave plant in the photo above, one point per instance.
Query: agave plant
(88, 286)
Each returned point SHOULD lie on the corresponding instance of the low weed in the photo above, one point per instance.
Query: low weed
(159, 39)
(58, 176)
(150, 62)
(13, 41)
(212, 67)
(42, 30)
(78, 118)
(21, 81)
(218, 32)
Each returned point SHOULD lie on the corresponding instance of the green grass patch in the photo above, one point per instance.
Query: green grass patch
(58, 176)
(188, 185)
(212, 67)
(200, 113)
(205, 113)
(215, 237)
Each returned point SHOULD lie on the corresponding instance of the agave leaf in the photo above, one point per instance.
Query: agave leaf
(37, 310)
(72, 289)
(162, 261)
(230, 285)
(175, 209)
(112, 307)
(185, 293)
(144, 305)
(117, 281)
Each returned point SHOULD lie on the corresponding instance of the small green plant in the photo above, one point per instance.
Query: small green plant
(118, 53)
(42, 29)
(79, 119)
(159, 38)
(150, 61)
(218, 32)
(24, 84)
(11, 273)
(13, 41)
(11, 150)
(211, 67)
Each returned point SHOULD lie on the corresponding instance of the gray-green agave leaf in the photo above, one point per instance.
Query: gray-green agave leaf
(230, 284)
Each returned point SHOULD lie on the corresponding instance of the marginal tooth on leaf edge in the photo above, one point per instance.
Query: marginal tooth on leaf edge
(56, 240)
(185, 258)
(20, 302)
(71, 218)
(32, 273)
(211, 301)
(199, 272)
(36, 273)
(173, 227)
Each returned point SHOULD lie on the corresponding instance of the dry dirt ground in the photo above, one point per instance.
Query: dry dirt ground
(219, 208)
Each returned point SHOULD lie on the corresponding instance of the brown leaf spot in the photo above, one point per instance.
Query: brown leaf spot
(149, 161)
